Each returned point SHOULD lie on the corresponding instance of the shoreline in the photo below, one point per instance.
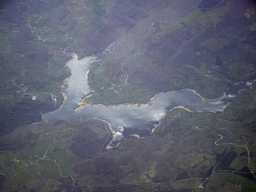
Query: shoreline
(177, 107)
(110, 130)
(64, 95)
(83, 102)
(137, 105)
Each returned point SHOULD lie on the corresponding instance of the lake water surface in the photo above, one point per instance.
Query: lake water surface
(126, 116)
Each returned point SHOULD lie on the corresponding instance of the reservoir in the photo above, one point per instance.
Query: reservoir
(128, 116)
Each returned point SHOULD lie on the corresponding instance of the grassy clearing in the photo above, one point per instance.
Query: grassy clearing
(203, 164)
(64, 159)
(236, 164)
(5, 43)
(168, 28)
(215, 44)
(186, 184)
(247, 185)
(136, 178)
(108, 93)
(95, 4)
(195, 18)
(6, 47)
(209, 85)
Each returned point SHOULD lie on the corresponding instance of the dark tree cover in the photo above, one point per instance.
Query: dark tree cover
(218, 61)
(153, 46)
(208, 4)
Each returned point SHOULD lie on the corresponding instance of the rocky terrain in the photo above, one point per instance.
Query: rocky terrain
(150, 47)
(188, 151)
(155, 47)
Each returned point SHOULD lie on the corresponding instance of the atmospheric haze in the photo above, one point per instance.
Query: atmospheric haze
(124, 116)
